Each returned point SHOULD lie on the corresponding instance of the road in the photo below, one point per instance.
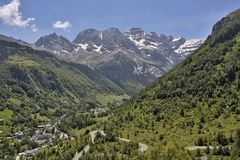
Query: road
(142, 147)
(93, 135)
(193, 148)
(80, 154)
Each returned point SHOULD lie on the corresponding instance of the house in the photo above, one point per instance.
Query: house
(29, 153)
(97, 111)
(44, 136)
(35, 135)
(49, 129)
(44, 126)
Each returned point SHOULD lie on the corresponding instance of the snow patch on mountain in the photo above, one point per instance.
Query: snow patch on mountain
(176, 39)
(98, 48)
(101, 35)
(189, 47)
(83, 46)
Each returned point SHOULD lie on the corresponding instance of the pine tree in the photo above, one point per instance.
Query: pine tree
(200, 142)
(231, 139)
(198, 153)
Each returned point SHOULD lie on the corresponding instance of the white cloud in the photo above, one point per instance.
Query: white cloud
(62, 25)
(34, 28)
(11, 15)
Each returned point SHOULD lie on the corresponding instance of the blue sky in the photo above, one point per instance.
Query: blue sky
(187, 18)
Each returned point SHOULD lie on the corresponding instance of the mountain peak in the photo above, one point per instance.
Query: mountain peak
(92, 40)
(89, 31)
(88, 35)
(112, 30)
(136, 31)
(55, 43)
(53, 34)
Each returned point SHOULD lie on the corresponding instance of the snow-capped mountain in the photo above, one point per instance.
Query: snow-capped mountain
(91, 40)
(174, 48)
(131, 59)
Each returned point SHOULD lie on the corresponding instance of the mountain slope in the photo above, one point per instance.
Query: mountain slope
(197, 99)
(120, 70)
(36, 82)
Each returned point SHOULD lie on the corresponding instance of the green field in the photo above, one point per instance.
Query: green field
(106, 99)
(6, 116)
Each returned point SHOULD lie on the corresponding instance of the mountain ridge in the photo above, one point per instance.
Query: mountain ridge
(149, 54)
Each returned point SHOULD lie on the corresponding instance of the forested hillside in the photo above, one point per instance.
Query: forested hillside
(196, 103)
(35, 82)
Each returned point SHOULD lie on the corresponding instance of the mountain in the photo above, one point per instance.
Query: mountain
(55, 43)
(34, 81)
(154, 45)
(196, 103)
(131, 60)
(103, 41)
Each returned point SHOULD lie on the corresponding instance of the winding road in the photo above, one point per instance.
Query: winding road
(142, 147)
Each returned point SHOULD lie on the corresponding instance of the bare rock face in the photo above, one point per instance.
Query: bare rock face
(55, 43)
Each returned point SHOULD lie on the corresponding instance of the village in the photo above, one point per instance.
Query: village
(44, 134)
